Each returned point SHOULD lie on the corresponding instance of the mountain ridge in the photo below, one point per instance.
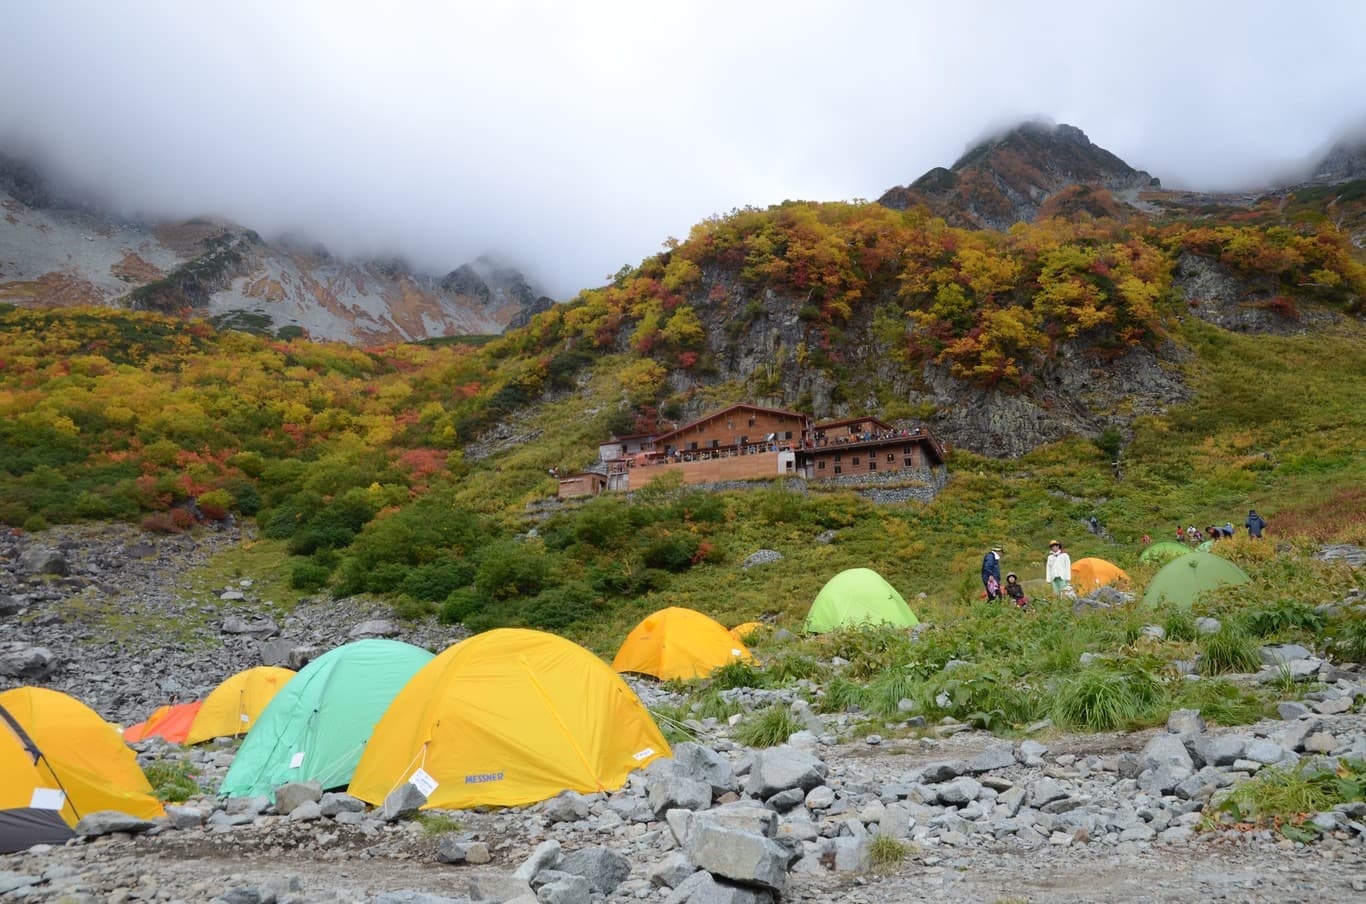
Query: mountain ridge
(59, 251)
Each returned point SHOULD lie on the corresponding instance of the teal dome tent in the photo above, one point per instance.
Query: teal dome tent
(316, 727)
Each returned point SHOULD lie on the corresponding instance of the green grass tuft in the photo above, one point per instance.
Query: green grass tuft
(1229, 649)
(173, 780)
(885, 853)
(767, 727)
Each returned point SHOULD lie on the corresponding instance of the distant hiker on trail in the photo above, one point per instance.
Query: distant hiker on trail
(1255, 524)
(1059, 569)
(1015, 591)
(991, 573)
(1094, 524)
(1228, 529)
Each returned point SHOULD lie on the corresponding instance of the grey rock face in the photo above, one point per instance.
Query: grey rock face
(569, 806)
(375, 627)
(185, 817)
(26, 662)
(40, 560)
(604, 869)
(1185, 721)
(705, 765)
(739, 856)
(671, 872)
(704, 888)
(761, 557)
(402, 802)
(1165, 750)
(566, 890)
(292, 794)
(545, 856)
(780, 768)
(334, 802)
(666, 792)
(106, 822)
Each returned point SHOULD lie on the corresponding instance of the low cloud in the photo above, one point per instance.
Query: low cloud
(575, 138)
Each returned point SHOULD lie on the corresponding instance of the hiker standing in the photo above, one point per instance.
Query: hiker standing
(1058, 571)
(991, 573)
(1255, 524)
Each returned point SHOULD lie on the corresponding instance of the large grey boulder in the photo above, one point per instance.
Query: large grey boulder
(997, 756)
(671, 872)
(1222, 750)
(1298, 731)
(567, 806)
(666, 791)
(185, 817)
(565, 889)
(498, 887)
(375, 627)
(1165, 750)
(745, 857)
(9, 605)
(704, 765)
(291, 795)
(107, 822)
(335, 802)
(402, 802)
(26, 662)
(604, 868)
(742, 816)
(546, 856)
(779, 768)
(959, 791)
(704, 888)
(41, 560)
(261, 628)
(1185, 721)
(934, 773)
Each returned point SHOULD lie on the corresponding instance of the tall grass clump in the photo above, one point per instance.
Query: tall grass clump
(791, 666)
(1105, 698)
(886, 852)
(1349, 638)
(768, 727)
(1286, 797)
(1230, 649)
(1221, 702)
(868, 649)
(172, 780)
(738, 673)
(842, 696)
(1284, 617)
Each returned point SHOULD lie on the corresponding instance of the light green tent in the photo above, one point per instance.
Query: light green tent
(1181, 580)
(859, 596)
(316, 727)
(1163, 551)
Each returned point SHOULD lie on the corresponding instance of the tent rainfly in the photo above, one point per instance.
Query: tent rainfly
(678, 643)
(1181, 580)
(858, 596)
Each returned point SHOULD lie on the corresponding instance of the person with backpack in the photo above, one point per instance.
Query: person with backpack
(991, 573)
(1255, 524)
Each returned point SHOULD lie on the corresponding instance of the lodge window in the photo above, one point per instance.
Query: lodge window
(906, 450)
(856, 461)
(891, 456)
(872, 464)
(838, 455)
(751, 421)
(838, 469)
(715, 443)
(820, 465)
(692, 447)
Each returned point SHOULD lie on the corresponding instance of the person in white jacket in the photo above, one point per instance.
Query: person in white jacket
(1059, 569)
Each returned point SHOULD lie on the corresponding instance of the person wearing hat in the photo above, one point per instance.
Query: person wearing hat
(1059, 569)
(991, 573)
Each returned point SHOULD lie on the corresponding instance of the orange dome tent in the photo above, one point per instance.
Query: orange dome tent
(506, 718)
(57, 755)
(1090, 573)
(232, 707)
(740, 632)
(678, 643)
(171, 722)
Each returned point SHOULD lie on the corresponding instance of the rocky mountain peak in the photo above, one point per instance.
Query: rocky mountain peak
(1011, 176)
(1345, 161)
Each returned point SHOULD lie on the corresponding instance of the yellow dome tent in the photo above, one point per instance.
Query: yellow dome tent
(740, 632)
(678, 643)
(507, 718)
(232, 707)
(1090, 573)
(58, 755)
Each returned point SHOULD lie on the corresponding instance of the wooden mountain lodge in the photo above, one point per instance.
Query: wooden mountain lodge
(748, 442)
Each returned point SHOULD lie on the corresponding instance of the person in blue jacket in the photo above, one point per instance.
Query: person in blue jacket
(991, 573)
(1255, 524)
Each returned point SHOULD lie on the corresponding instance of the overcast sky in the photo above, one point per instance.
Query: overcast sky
(575, 137)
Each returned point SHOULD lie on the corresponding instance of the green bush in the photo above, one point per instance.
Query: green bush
(556, 608)
(737, 673)
(172, 780)
(511, 568)
(673, 552)
(1284, 615)
(460, 605)
(435, 581)
(309, 577)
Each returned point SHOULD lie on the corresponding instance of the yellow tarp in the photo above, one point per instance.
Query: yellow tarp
(84, 765)
(678, 643)
(507, 718)
(1090, 573)
(232, 707)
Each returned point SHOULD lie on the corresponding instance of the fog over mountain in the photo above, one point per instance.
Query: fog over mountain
(573, 138)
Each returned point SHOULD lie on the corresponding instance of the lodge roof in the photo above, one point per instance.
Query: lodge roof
(741, 406)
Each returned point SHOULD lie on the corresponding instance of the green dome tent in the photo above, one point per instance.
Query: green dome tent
(1163, 551)
(858, 596)
(316, 727)
(1181, 580)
